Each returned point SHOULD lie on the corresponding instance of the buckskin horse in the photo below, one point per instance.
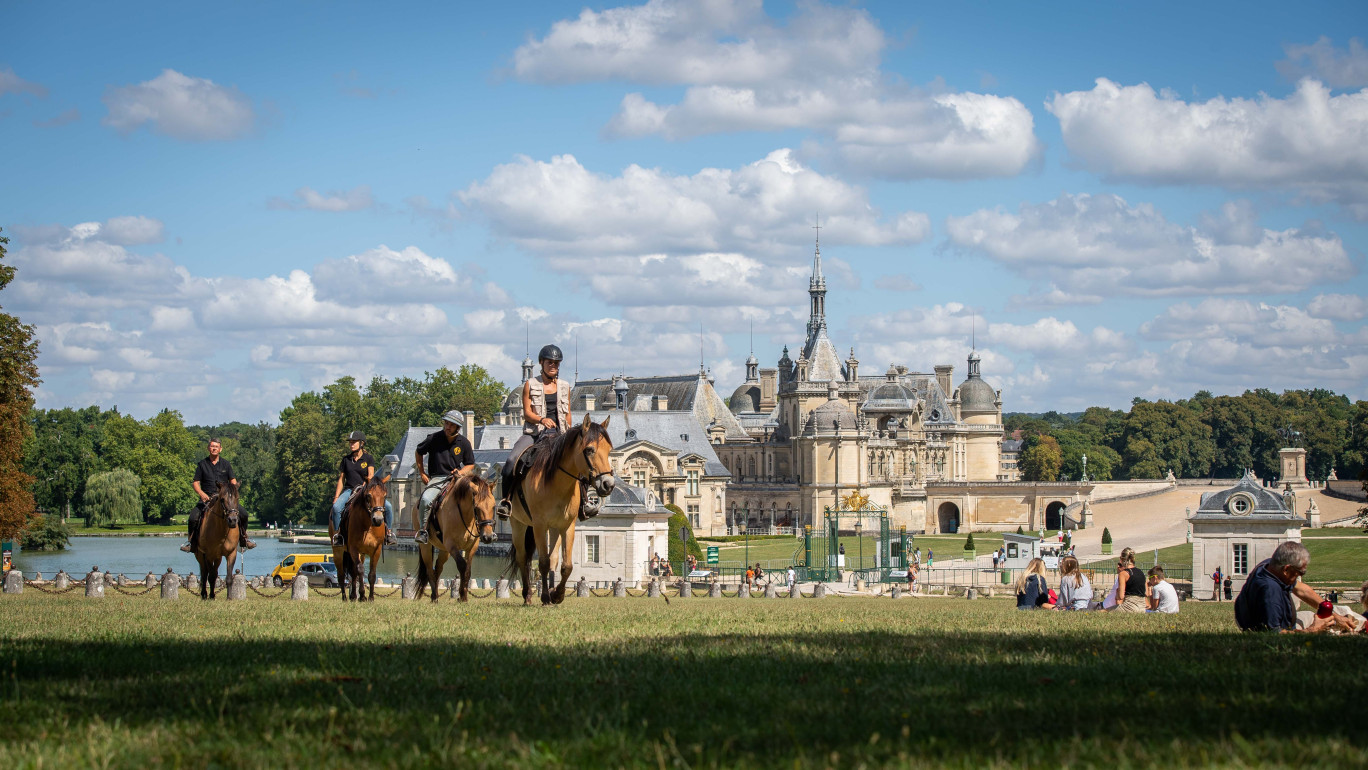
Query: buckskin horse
(465, 518)
(218, 538)
(546, 507)
(364, 523)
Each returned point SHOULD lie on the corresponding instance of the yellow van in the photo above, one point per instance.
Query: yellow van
(289, 567)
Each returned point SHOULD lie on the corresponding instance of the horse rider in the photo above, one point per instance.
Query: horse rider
(546, 413)
(447, 451)
(356, 468)
(211, 473)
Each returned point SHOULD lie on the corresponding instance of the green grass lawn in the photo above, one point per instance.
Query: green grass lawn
(1336, 532)
(78, 528)
(1340, 562)
(137, 682)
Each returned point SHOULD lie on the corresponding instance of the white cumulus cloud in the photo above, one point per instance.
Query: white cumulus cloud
(180, 106)
(306, 198)
(1323, 61)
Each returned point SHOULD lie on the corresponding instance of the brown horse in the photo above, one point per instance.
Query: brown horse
(365, 523)
(218, 538)
(466, 518)
(545, 512)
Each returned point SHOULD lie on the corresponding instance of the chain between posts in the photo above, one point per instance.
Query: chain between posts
(72, 586)
(262, 593)
(127, 592)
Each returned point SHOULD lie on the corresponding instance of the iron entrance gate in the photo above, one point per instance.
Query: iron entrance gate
(852, 538)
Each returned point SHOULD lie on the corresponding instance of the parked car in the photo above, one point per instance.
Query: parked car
(286, 569)
(320, 573)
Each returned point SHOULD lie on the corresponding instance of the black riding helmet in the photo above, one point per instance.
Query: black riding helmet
(550, 353)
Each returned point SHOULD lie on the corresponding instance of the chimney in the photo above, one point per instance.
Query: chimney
(769, 388)
(469, 422)
(943, 378)
(662, 403)
(590, 401)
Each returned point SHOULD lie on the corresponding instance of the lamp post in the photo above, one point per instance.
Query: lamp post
(746, 526)
(860, 538)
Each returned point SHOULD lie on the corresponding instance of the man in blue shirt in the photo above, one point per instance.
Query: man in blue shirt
(1268, 600)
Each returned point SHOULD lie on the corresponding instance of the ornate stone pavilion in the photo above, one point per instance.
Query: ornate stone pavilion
(1237, 528)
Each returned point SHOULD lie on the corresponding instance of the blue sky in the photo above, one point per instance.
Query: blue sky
(213, 208)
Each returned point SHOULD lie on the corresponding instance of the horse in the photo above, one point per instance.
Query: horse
(465, 516)
(547, 507)
(218, 538)
(365, 538)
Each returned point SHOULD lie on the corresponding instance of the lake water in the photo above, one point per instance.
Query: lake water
(136, 556)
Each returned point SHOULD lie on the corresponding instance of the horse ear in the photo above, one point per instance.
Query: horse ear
(469, 470)
(385, 479)
(586, 422)
(604, 424)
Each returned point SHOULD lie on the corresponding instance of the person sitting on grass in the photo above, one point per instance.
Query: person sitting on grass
(1075, 590)
(1131, 584)
(1032, 591)
(1160, 595)
(1267, 602)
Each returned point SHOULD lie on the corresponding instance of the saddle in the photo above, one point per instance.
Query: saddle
(590, 503)
(346, 513)
(434, 524)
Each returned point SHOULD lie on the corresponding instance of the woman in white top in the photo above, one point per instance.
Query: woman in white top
(546, 407)
(1075, 590)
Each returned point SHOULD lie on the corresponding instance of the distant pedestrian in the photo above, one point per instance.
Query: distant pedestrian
(1228, 584)
(930, 558)
(1216, 584)
(792, 580)
(916, 556)
(655, 564)
(912, 578)
(750, 577)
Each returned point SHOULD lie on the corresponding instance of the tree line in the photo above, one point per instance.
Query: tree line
(109, 468)
(1204, 436)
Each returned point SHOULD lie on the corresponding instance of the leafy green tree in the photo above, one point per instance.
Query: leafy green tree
(1040, 458)
(47, 533)
(1161, 436)
(62, 453)
(251, 450)
(18, 378)
(679, 549)
(471, 387)
(162, 453)
(112, 499)
(307, 450)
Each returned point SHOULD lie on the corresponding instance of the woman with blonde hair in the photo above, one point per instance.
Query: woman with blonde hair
(1032, 592)
(1075, 590)
(1131, 584)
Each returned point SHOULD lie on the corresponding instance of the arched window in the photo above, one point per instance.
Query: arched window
(751, 467)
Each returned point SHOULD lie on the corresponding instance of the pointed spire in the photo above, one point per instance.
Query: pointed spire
(817, 278)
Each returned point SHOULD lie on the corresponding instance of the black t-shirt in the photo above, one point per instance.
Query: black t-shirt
(212, 475)
(355, 472)
(445, 456)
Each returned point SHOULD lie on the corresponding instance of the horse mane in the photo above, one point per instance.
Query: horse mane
(360, 495)
(221, 495)
(479, 488)
(549, 458)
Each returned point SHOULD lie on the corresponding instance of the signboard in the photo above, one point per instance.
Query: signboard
(713, 556)
(1051, 562)
(7, 555)
(684, 534)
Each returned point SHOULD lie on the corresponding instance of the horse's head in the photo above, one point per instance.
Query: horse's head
(227, 499)
(374, 495)
(590, 455)
(474, 491)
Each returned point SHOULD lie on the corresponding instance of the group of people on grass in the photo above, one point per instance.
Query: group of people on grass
(1134, 591)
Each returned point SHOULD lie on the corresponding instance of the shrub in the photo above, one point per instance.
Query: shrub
(680, 549)
(969, 542)
(47, 533)
(1019, 530)
(1106, 536)
(112, 499)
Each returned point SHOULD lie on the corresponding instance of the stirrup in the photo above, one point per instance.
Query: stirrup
(247, 544)
(421, 537)
(503, 509)
(337, 539)
(389, 537)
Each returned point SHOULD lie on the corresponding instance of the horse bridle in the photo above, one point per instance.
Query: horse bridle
(373, 508)
(479, 523)
(586, 479)
(225, 511)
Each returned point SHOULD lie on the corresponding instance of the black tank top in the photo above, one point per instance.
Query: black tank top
(551, 410)
(1135, 582)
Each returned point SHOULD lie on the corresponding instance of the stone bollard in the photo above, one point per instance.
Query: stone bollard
(653, 589)
(715, 590)
(192, 583)
(37, 577)
(859, 584)
(14, 582)
(63, 581)
(299, 589)
(770, 591)
(743, 591)
(795, 592)
(501, 589)
(582, 589)
(970, 593)
(515, 586)
(989, 593)
(685, 589)
(619, 589)
(150, 581)
(95, 582)
(237, 587)
(454, 588)
(122, 581)
(897, 591)
(170, 585)
(408, 587)
(819, 591)
(485, 584)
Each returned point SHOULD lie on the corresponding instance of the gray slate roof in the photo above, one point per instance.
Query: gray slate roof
(687, 392)
(667, 429)
(1267, 503)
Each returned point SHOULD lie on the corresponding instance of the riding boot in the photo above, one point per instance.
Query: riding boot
(590, 502)
(421, 536)
(194, 541)
(244, 542)
(389, 537)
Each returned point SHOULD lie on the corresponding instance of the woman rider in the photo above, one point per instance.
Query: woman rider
(546, 413)
(356, 468)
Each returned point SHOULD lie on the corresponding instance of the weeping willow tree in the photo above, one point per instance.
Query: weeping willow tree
(112, 499)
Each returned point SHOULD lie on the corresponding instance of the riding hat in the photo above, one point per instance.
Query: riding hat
(550, 353)
(454, 417)
(356, 435)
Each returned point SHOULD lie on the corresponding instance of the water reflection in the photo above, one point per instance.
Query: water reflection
(136, 556)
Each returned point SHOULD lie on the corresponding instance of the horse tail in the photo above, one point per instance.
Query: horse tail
(529, 545)
(423, 577)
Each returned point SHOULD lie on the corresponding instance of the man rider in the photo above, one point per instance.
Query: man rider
(211, 473)
(447, 451)
(546, 412)
(356, 468)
